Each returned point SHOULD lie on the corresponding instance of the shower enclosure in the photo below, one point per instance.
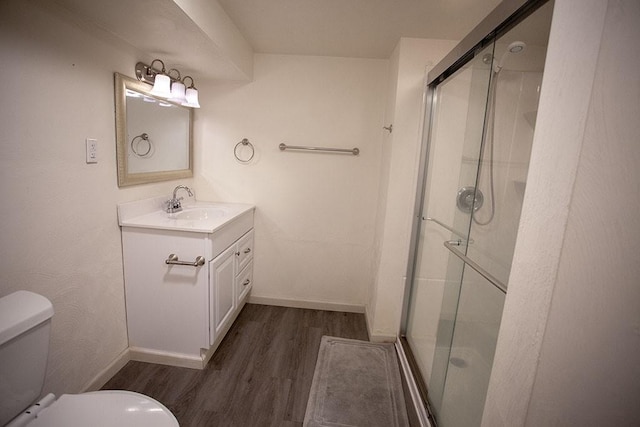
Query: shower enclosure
(481, 112)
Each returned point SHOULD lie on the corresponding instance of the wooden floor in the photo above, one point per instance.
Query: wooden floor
(260, 375)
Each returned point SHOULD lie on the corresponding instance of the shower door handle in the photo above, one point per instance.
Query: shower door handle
(481, 271)
(457, 242)
(453, 230)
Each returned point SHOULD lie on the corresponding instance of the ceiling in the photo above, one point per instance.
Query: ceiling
(350, 28)
(217, 38)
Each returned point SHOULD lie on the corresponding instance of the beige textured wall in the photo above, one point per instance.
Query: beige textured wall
(59, 229)
(568, 345)
(589, 371)
(385, 165)
(415, 57)
(315, 211)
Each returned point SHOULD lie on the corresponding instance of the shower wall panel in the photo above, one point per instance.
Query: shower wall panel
(516, 106)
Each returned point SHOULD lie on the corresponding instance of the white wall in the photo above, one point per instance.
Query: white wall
(568, 347)
(415, 57)
(383, 187)
(589, 371)
(315, 212)
(60, 236)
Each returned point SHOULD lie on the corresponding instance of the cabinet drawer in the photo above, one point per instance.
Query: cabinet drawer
(230, 233)
(245, 250)
(244, 282)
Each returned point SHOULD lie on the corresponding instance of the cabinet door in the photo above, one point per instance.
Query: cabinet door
(167, 305)
(221, 291)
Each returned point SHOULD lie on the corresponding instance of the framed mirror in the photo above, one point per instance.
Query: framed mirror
(154, 137)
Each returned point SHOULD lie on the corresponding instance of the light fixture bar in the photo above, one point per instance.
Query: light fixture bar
(179, 92)
(145, 73)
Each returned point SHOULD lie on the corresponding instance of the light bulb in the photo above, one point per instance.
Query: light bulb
(161, 86)
(177, 93)
(192, 98)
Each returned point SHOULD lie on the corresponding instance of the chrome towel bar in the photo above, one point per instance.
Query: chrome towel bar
(173, 260)
(354, 151)
(481, 271)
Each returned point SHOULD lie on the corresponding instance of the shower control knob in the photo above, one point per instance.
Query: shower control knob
(469, 198)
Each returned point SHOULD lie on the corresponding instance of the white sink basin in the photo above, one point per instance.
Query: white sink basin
(199, 213)
(200, 217)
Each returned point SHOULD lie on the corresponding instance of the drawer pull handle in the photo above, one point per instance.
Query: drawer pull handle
(246, 282)
(173, 260)
(246, 251)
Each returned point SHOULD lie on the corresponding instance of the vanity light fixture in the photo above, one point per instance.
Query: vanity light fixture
(166, 86)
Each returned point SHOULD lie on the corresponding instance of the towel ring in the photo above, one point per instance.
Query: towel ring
(245, 142)
(140, 138)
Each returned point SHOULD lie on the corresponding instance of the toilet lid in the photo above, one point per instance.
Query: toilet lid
(108, 408)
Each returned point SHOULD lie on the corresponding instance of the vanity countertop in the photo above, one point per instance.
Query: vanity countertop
(196, 216)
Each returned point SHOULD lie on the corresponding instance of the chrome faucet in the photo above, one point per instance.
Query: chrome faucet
(173, 204)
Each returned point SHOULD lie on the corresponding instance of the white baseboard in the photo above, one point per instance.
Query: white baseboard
(382, 338)
(315, 305)
(166, 358)
(107, 373)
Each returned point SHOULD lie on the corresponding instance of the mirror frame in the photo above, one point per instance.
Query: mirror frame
(122, 83)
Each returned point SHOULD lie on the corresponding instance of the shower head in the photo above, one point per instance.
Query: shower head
(515, 47)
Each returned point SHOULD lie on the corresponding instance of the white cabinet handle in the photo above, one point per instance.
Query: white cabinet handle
(173, 260)
(246, 282)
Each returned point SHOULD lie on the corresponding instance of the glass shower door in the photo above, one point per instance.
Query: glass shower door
(481, 124)
(455, 140)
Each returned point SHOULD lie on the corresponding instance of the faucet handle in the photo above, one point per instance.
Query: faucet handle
(173, 205)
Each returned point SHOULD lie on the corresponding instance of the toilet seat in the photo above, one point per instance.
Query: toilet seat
(107, 408)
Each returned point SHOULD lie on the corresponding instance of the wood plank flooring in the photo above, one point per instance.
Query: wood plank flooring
(260, 375)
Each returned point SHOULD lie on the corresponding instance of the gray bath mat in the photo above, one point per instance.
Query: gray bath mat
(356, 383)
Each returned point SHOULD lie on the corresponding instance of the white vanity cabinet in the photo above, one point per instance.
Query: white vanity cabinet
(178, 314)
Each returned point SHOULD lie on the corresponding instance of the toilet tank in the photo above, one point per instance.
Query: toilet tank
(25, 323)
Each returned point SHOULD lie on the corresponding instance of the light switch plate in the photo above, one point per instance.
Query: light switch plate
(92, 150)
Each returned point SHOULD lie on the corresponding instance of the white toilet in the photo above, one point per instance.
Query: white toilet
(25, 322)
